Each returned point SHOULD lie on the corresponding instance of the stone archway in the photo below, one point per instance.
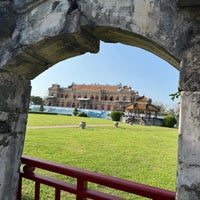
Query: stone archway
(37, 34)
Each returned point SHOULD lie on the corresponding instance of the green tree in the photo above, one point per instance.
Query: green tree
(171, 112)
(169, 121)
(36, 100)
(115, 115)
(75, 111)
(163, 108)
(41, 108)
(175, 95)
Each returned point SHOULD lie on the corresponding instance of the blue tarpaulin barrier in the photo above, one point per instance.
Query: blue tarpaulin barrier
(69, 111)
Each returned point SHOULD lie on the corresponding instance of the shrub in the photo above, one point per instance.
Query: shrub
(115, 115)
(169, 121)
(75, 111)
(41, 108)
(82, 114)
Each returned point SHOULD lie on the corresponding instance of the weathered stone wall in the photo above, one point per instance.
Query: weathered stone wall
(188, 3)
(44, 34)
(14, 101)
(7, 19)
(189, 147)
(42, 25)
(36, 34)
(157, 26)
(189, 138)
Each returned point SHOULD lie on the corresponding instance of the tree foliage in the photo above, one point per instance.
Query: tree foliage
(169, 121)
(36, 100)
(163, 108)
(115, 115)
(171, 112)
(166, 110)
(175, 95)
(75, 111)
(41, 109)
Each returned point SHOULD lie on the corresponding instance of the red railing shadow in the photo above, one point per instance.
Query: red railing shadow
(83, 177)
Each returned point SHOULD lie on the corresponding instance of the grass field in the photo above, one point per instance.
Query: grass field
(144, 154)
(53, 120)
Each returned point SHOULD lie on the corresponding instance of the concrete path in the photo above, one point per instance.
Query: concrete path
(66, 126)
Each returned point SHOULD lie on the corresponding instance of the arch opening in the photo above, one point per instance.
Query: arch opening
(126, 61)
(120, 57)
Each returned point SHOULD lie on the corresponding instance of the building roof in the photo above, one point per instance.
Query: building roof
(143, 99)
(153, 108)
(143, 105)
(98, 87)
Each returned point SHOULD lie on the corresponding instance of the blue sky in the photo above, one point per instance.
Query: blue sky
(115, 63)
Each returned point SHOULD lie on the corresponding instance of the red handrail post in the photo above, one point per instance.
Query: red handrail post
(57, 194)
(37, 191)
(81, 188)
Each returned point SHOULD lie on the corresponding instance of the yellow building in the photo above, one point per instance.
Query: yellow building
(94, 96)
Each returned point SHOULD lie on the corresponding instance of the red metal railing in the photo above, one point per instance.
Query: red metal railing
(81, 189)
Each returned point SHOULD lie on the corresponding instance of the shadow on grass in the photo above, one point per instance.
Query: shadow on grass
(121, 127)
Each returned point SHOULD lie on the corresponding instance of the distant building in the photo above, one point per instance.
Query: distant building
(143, 106)
(94, 96)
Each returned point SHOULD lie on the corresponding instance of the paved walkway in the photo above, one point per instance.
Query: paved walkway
(67, 126)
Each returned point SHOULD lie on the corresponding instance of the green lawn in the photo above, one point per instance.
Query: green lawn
(144, 154)
(53, 120)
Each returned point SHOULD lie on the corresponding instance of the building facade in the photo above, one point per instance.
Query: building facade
(143, 107)
(94, 96)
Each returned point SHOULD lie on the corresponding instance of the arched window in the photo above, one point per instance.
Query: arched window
(106, 98)
(117, 98)
(124, 98)
(97, 98)
(92, 97)
(74, 97)
(111, 98)
(102, 107)
(108, 107)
